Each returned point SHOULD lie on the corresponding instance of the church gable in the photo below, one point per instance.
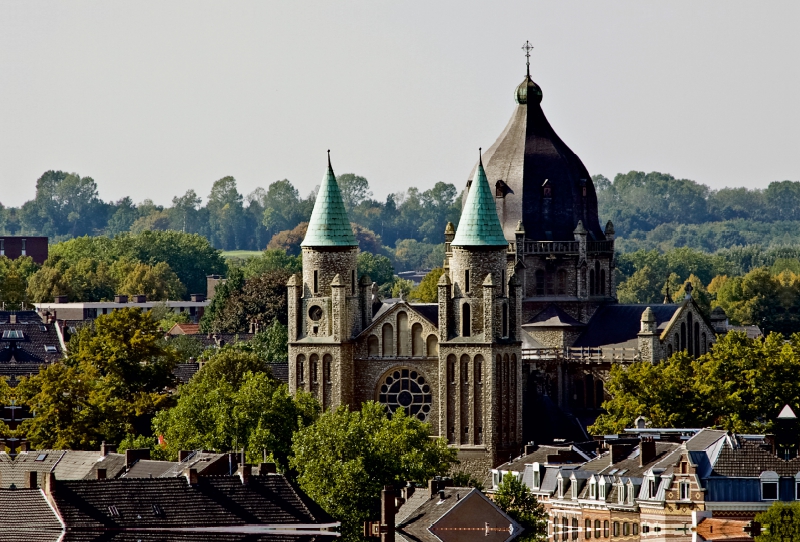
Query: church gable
(401, 331)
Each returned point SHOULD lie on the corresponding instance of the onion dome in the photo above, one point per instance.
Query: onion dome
(528, 88)
(329, 225)
(479, 224)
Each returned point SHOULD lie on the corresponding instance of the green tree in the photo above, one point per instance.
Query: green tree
(428, 291)
(261, 299)
(354, 189)
(110, 385)
(644, 286)
(270, 344)
(377, 267)
(234, 403)
(271, 260)
(158, 282)
(780, 522)
(344, 459)
(514, 498)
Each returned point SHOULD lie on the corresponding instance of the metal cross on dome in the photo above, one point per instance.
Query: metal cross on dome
(528, 48)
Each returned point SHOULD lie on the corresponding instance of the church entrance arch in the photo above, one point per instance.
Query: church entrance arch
(407, 388)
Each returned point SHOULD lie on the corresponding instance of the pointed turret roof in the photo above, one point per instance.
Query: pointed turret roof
(479, 224)
(329, 225)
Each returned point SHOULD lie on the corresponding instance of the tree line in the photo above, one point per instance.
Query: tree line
(410, 222)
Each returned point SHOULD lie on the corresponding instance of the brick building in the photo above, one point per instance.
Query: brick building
(17, 247)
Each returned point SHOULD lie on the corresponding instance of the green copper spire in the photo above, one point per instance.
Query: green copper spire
(329, 225)
(479, 225)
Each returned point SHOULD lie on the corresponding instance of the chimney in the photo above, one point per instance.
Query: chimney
(50, 483)
(120, 298)
(198, 298)
(101, 474)
(267, 468)
(387, 514)
(183, 455)
(23, 446)
(31, 481)
(441, 494)
(106, 449)
(12, 318)
(433, 487)
(618, 452)
(408, 491)
(191, 476)
(647, 451)
(530, 448)
(60, 299)
(132, 455)
(245, 471)
(140, 298)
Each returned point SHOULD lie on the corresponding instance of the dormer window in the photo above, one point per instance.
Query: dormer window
(592, 489)
(769, 486)
(536, 478)
(631, 491)
(560, 488)
(621, 494)
(574, 488)
(651, 487)
(602, 490)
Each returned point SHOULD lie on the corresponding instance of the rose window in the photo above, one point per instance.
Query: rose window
(408, 389)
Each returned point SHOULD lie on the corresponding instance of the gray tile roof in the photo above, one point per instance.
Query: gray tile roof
(38, 346)
(148, 468)
(25, 515)
(749, 459)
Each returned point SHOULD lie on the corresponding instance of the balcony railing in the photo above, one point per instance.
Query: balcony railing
(600, 246)
(551, 247)
(587, 355)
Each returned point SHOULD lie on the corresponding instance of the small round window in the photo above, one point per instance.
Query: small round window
(315, 312)
(408, 389)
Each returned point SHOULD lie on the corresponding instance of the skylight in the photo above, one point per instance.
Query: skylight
(12, 334)
(41, 457)
(50, 349)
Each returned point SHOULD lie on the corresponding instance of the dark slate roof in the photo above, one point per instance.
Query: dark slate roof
(429, 311)
(113, 463)
(553, 316)
(280, 371)
(629, 467)
(31, 348)
(25, 515)
(749, 460)
(171, 502)
(528, 153)
(206, 463)
(615, 324)
(185, 371)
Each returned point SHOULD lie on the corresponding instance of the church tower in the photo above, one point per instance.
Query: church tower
(479, 327)
(327, 306)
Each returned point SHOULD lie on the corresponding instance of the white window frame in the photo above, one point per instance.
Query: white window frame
(684, 491)
(536, 476)
(592, 489)
(601, 489)
(561, 488)
(770, 477)
(621, 494)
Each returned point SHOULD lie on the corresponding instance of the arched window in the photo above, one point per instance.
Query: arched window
(605, 529)
(373, 346)
(562, 282)
(327, 361)
(314, 368)
(597, 528)
(505, 320)
(565, 525)
(591, 282)
(451, 369)
(588, 524)
(683, 336)
(417, 345)
(388, 343)
(479, 369)
(432, 346)
(574, 528)
(465, 368)
(697, 339)
(669, 350)
(466, 317)
(402, 334)
(548, 281)
(539, 282)
(689, 338)
(705, 344)
(602, 282)
(677, 343)
(300, 370)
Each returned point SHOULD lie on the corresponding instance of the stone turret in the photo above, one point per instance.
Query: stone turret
(648, 336)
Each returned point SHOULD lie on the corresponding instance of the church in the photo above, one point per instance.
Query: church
(527, 325)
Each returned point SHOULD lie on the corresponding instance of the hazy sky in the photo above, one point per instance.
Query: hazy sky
(153, 98)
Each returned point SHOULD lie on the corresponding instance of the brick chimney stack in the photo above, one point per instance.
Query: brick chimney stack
(647, 451)
(387, 514)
